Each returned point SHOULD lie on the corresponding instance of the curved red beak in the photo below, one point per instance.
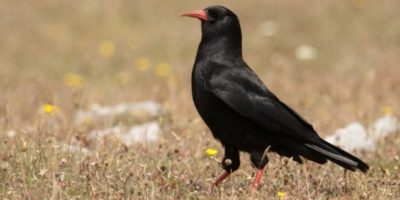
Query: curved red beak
(199, 14)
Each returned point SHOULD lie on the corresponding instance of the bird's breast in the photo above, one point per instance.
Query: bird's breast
(225, 124)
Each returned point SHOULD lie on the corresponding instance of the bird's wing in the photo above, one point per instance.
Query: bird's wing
(242, 91)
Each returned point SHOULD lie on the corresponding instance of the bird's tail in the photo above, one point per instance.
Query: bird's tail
(339, 156)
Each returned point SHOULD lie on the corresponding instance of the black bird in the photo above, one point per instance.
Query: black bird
(241, 112)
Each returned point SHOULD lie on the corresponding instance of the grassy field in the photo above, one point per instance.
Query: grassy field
(58, 57)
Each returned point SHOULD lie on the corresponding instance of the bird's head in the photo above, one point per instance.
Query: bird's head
(217, 20)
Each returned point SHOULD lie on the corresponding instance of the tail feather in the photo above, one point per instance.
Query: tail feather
(339, 156)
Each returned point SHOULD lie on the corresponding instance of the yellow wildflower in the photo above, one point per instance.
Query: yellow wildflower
(50, 108)
(142, 64)
(163, 69)
(74, 80)
(387, 110)
(211, 152)
(281, 194)
(106, 48)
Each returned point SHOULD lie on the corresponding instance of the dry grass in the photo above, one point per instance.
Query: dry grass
(355, 74)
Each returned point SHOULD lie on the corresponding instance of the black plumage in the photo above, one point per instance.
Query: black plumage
(241, 112)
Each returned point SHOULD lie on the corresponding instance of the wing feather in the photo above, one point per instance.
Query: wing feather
(260, 105)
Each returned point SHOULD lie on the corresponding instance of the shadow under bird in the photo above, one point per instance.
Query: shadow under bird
(241, 112)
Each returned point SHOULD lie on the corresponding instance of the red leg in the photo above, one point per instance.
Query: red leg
(257, 179)
(221, 178)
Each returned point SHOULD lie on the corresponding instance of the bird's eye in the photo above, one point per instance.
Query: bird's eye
(213, 14)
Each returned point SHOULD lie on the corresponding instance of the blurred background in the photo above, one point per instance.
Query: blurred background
(335, 62)
(136, 50)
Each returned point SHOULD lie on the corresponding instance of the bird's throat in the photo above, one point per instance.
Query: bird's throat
(223, 46)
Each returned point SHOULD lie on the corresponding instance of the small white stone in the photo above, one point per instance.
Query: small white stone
(351, 138)
(146, 132)
(11, 133)
(306, 52)
(383, 127)
(268, 28)
(96, 111)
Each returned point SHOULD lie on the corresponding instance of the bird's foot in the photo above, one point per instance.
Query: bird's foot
(257, 179)
(221, 178)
